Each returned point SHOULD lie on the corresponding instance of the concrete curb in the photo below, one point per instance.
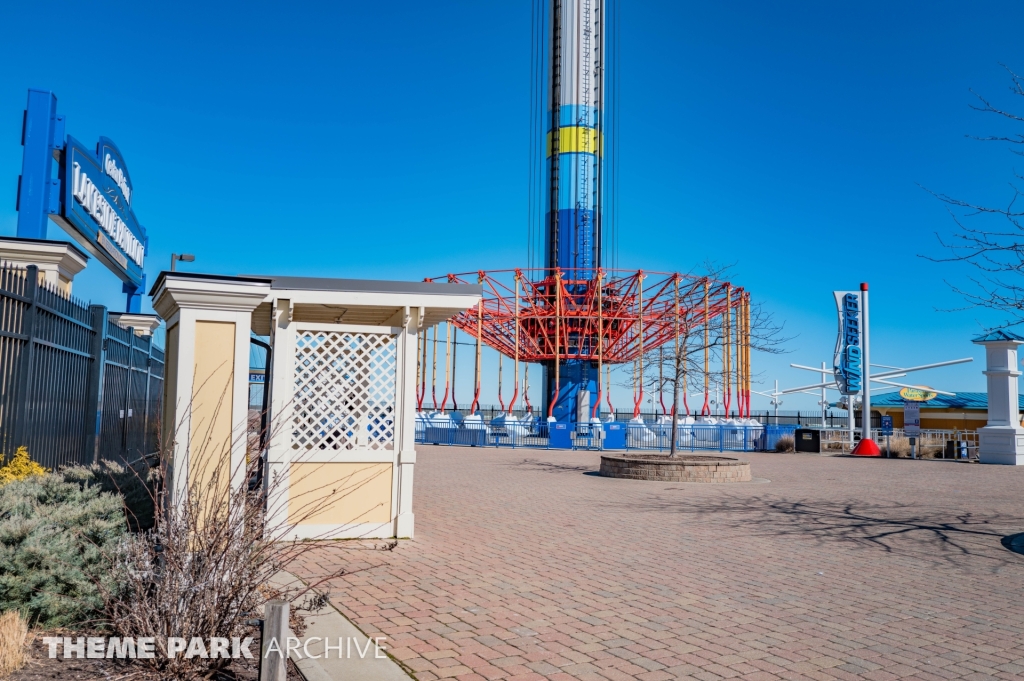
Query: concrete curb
(329, 624)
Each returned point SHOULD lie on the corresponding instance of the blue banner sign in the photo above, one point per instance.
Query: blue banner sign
(97, 210)
(886, 425)
(847, 362)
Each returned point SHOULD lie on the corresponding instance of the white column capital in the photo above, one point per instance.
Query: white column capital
(174, 291)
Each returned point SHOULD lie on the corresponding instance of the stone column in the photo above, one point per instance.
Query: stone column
(1002, 440)
(206, 380)
(405, 423)
(58, 261)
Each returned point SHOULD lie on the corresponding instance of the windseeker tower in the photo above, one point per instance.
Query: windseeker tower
(568, 310)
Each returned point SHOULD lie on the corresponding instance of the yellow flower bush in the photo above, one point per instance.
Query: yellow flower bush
(19, 467)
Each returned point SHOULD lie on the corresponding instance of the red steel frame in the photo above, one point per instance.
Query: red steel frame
(560, 318)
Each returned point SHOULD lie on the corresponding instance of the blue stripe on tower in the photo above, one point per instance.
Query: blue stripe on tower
(575, 114)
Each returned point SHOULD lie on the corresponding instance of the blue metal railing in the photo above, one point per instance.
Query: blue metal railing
(606, 436)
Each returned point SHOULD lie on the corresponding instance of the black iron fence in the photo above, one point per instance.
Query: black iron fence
(132, 395)
(74, 386)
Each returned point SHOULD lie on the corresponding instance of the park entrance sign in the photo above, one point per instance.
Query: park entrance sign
(90, 195)
(97, 209)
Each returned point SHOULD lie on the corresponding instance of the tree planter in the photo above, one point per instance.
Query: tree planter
(677, 469)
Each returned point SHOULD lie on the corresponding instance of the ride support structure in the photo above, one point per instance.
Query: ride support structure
(571, 325)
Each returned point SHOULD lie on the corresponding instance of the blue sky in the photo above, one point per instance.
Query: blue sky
(389, 140)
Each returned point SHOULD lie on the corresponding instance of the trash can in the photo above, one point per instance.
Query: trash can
(955, 449)
(808, 440)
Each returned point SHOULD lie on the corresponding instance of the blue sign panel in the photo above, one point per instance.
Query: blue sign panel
(847, 364)
(97, 210)
(886, 425)
(559, 436)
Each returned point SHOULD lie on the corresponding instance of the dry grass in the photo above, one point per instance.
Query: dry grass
(786, 443)
(899, 447)
(13, 632)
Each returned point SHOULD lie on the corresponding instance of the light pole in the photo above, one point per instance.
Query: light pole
(823, 402)
(865, 409)
(776, 402)
(184, 257)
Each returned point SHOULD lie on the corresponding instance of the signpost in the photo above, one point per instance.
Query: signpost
(90, 197)
(912, 424)
(852, 363)
(887, 432)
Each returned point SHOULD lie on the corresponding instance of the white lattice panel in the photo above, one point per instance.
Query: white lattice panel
(344, 390)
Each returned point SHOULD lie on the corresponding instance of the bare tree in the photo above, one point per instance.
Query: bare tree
(666, 370)
(991, 238)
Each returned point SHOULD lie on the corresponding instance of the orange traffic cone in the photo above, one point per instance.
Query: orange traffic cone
(866, 448)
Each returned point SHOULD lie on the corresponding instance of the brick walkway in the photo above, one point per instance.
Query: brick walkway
(527, 566)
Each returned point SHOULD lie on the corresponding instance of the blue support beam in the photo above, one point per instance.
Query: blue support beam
(42, 135)
(133, 303)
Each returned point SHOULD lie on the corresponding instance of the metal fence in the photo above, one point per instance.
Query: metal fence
(933, 441)
(483, 434)
(632, 436)
(834, 418)
(132, 395)
(74, 386)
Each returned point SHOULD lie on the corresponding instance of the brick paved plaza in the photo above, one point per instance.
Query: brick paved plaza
(526, 565)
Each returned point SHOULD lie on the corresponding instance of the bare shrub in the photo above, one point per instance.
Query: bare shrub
(207, 565)
(13, 632)
(786, 443)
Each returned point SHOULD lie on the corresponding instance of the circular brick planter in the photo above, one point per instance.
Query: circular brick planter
(678, 469)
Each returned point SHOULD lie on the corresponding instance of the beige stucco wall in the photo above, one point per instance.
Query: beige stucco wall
(940, 419)
(210, 450)
(339, 493)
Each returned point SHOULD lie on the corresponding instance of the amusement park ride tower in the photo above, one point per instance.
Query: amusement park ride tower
(573, 316)
(573, 177)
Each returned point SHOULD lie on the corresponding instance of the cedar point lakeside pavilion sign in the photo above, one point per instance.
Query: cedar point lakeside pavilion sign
(90, 198)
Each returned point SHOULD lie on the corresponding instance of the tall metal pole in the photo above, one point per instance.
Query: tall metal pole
(824, 395)
(727, 354)
(853, 423)
(515, 395)
(600, 344)
(775, 400)
(479, 337)
(865, 410)
(675, 376)
(433, 372)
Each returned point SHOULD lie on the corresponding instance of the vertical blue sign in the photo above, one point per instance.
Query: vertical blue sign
(90, 197)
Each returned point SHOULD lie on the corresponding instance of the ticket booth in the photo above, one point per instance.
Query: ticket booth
(340, 453)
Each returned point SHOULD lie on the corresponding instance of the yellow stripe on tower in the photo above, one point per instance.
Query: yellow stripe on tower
(574, 139)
